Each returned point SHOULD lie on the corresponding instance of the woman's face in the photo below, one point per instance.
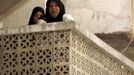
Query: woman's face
(54, 9)
(37, 16)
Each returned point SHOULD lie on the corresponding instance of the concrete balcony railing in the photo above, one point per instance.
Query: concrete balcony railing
(58, 49)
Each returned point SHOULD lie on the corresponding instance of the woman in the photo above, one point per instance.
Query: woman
(54, 11)
(37, 13)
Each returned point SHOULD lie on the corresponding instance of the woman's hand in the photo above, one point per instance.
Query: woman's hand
(68, 18)
(41, 21)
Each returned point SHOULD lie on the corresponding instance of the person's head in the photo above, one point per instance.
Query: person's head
(37, 13)
(55, 9)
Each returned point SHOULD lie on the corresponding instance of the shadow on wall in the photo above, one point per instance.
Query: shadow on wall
(21, 16)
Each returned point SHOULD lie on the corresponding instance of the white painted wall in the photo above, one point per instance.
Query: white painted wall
(21, 16)
(101, 15)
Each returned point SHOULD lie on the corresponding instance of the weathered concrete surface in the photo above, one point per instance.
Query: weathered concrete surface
(101, 15)
(119, 41)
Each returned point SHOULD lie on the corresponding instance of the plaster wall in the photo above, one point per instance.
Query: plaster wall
(21, 16)
(97, 16)
(101, 15)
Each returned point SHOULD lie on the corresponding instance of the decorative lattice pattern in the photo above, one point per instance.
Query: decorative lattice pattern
(61, 54)
(44, 70)
(10, 42)
(1, 54)
(35, 53)
(88, 58)
(45, 39)
(27, 41)
(27, 58)
(28, 71)
(9, 60)
(94, 68)
(11, 72)
(61, 37)
(1, 43)
(44, 56)
(61, 70)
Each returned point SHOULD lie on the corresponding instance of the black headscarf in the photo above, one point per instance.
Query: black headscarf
(35, 10)
(49, 18)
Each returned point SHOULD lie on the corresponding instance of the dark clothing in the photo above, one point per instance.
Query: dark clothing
(59, 18)
(35, 10)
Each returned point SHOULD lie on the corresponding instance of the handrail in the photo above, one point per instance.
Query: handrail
(37, 28)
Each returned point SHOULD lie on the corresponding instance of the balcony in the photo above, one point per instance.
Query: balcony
(58, 49)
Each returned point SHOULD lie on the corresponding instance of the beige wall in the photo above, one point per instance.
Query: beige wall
(91, 15)
(132, 17)
(101, 15)
(21, 16)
